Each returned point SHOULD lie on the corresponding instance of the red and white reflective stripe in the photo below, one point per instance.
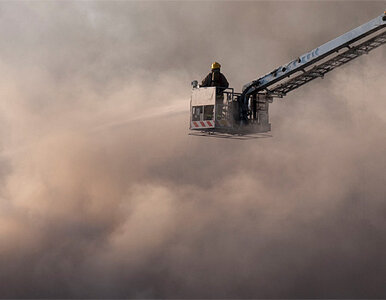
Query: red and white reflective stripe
(202, 124)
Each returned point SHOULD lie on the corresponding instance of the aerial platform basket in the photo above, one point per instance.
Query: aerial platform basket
(214, 111)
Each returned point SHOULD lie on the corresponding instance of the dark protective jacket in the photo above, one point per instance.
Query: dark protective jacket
(217, 79)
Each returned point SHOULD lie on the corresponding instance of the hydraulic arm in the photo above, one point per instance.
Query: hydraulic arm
(320, 60)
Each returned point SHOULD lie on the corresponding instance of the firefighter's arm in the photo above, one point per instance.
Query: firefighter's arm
(206, 81)
(225, 82)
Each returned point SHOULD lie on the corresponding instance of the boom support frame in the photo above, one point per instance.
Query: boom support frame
(308, 59)
(320, 70)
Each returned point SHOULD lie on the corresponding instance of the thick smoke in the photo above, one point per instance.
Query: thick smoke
(103, 193)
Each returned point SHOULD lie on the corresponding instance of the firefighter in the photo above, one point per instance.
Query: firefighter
(216, 78)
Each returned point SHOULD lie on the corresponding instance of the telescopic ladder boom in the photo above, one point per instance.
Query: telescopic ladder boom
(320, 60)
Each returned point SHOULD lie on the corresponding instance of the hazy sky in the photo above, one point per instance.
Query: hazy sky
(104, 194)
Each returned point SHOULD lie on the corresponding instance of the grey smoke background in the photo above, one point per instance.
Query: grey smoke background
(103, 193)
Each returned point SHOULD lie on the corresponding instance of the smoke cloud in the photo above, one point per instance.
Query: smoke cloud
(103, 194)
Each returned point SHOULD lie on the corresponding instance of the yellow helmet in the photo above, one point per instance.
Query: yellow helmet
(216, 65)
